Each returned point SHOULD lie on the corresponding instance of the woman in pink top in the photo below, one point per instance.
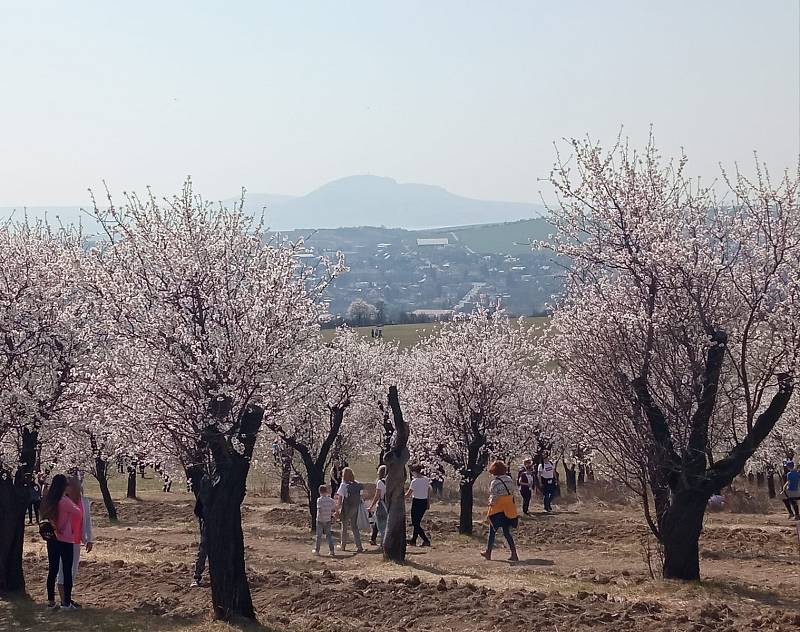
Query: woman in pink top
(64, 515)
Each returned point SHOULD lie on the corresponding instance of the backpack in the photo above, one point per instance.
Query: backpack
(47, 531)
(353, 499)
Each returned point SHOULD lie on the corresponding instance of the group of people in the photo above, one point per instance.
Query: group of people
(544, 478)
(348, 505)
(67, 527)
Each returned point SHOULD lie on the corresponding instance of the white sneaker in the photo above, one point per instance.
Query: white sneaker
(196, 583)
(315, 552)
(69, 606)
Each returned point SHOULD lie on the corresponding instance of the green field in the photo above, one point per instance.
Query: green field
(508, 238)
(408, 335)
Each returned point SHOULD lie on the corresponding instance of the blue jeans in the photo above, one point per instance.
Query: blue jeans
(548, 492)
(324, 528)
(502, 523)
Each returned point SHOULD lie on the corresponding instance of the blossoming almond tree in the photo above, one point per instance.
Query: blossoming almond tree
(330, 398)
(213, 314)
(47, 330)
(467, 394)
(677, 333)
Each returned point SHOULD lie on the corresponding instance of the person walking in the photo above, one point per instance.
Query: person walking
(526, 481)
(35, 500)
(378, 507)
(419, 491)
(547, 481)
(202, 546)
(502, 509)
(325, 508)
(348, 502)
(66, 519)
(75, 493)
(791, 492)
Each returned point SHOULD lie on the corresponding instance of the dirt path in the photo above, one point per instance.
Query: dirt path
(580, 569)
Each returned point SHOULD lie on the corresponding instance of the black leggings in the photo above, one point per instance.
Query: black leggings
(63, 552)
(418, 508)
(33, 507)
(791, 503)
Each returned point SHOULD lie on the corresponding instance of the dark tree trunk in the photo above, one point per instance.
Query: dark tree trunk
(760, 479)
(286, 476)
(315, 477)
(395, 459)
(570, 476)
(315, 467)
(131, 483)
(680, 535)
(589, 473)
(581, 475)
(222, 491)
(750, 478)
(14, 499)
(467, 504)
(101, 474)
(771, 484)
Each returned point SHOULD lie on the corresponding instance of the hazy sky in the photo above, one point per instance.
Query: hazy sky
(281, 97)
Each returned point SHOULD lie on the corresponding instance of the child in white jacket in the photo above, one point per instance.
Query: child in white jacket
(75, 491)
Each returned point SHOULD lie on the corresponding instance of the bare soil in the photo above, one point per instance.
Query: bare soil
(583, 567)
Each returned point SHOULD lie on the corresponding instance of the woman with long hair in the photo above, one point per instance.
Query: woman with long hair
(67, 519)
(502, 509)
(348, 501)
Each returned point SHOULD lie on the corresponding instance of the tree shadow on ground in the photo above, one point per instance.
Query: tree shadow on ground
(438, 571)
(22, 614)
(19, 614)
(752, 593)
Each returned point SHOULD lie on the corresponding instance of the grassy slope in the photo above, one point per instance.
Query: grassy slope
(509, 238)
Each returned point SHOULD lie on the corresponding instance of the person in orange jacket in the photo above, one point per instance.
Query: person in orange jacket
(502, 509)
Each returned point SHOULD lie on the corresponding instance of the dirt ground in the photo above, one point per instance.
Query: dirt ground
(583, 567)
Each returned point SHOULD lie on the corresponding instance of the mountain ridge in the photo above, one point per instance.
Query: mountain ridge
(360, 200)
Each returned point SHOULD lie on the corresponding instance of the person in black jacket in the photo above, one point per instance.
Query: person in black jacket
(526, 481)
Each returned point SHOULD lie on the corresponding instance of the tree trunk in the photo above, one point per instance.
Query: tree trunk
(589, 473)
(750, 478)
(222, 501)
(395, 459)
(771, 484)
(131, 483)
(681, 526)
(581, 475)
(14, 499)
(467, 503)
(571, 481)
(222, 491)
(760, 479)
(101, 474)
(286, 477)
(316, 477)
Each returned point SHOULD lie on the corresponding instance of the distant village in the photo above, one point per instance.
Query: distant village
(405, 276)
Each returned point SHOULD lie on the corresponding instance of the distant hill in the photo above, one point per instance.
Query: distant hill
(351, 201)
(377, 201)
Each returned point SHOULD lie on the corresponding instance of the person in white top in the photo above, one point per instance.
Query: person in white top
(378, 506)
(547, 481)
(418, 490)
(75, 491)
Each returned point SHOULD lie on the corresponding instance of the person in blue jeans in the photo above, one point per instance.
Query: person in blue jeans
(791, 492)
